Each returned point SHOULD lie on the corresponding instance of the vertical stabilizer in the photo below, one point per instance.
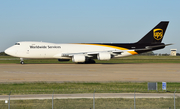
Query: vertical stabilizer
(156, 34)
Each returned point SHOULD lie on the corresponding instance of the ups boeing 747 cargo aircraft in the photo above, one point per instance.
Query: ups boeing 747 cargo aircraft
(87, 52)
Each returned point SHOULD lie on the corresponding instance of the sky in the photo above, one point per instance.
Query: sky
(87, 21)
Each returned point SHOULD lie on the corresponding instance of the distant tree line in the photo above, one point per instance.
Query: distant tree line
(150, 53)
(3, 54)
(177, 54)
(156, 54)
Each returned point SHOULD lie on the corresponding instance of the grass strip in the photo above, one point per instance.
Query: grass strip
(109, 103)
(70, 88)
(131, 59)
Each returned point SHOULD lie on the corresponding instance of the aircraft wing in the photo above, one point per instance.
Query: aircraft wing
(92, 54)
(107, 55)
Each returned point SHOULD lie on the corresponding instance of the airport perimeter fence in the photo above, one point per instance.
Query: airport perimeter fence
(53, 101)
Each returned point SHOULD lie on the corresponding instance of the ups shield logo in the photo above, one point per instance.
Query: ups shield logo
(158, 34)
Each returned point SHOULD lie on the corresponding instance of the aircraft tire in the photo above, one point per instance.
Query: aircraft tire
(91, 61)
(22, 62)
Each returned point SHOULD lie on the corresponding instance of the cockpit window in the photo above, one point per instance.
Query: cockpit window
(17, 43)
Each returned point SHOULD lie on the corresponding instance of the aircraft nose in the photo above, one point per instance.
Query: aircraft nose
(9, 51)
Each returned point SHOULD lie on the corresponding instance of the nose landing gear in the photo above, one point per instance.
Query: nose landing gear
(22, 61)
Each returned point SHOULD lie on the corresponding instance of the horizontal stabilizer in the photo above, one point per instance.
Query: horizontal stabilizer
(152, 47)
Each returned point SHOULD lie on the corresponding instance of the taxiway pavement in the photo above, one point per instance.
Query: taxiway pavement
(156, 72)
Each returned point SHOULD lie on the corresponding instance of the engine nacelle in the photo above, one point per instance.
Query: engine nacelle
(104, 56)
(78, 58)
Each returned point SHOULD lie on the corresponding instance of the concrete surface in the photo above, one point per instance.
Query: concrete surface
(97, 95)
(89, 72)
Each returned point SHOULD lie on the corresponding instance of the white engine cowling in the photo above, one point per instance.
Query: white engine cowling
(104, 56)
(78, 58)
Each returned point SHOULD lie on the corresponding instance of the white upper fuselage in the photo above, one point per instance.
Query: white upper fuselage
(52, 50)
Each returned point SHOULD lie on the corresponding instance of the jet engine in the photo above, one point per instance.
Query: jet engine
(104, 56)
(78, 58)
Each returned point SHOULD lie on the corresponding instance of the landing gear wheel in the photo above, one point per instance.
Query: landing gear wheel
(22, 62)
(90, 61)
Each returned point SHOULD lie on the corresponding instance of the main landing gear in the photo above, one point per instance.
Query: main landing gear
(88, 61)
(22, 61)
